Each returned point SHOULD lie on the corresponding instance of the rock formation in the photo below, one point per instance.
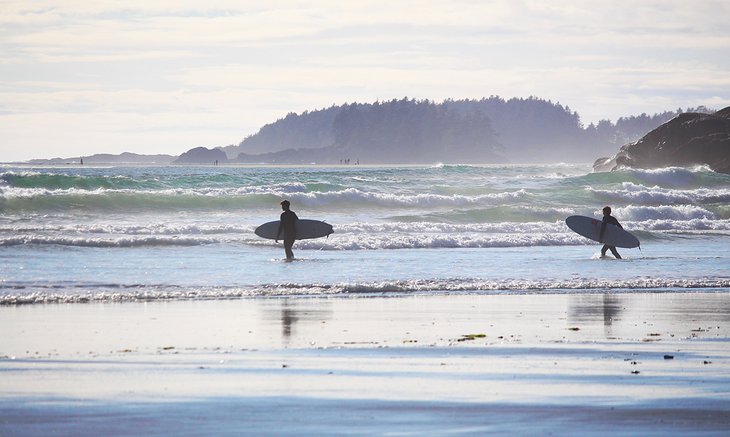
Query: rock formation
(686, 140)
(202, 155)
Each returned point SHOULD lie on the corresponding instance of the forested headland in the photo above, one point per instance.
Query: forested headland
(488, 130)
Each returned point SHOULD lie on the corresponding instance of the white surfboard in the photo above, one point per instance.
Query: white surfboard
(305, 229)
(590, 227)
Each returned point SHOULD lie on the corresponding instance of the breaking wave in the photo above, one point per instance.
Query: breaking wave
(34, 199)
(105, 242)
(17, 294)
(663, 212)
(360, 235)
(656, 195)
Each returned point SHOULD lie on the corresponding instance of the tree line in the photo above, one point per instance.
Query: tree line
(484, 130)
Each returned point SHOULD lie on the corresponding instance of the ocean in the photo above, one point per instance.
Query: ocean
(114, 234)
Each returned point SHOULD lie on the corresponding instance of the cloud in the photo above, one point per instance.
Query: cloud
(67, 61)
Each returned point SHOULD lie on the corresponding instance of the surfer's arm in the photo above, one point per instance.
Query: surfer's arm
(613, 221)
(278, 231)
(603, 229)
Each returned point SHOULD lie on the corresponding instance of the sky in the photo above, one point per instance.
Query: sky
(79, 77)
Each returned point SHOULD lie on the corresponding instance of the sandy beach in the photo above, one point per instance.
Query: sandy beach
(632, 363)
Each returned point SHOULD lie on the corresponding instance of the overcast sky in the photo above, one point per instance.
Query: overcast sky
(79, 77)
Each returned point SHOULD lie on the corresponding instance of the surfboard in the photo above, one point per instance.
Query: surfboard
(590, 227)
(305, 229)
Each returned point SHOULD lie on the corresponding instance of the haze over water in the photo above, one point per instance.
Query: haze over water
(123, 233)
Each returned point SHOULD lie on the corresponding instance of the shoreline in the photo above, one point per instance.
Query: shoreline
(339, 291)
(456, 364)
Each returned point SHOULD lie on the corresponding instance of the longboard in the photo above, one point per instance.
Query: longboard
(591, 228)
(305, 229)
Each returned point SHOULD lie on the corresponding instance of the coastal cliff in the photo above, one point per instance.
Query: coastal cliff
(686, 140)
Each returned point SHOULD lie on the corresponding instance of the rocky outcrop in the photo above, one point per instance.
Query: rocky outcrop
(686, 140)
(202, 155)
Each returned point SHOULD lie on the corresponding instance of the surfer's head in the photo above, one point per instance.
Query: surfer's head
(606, 210)
(285, 205)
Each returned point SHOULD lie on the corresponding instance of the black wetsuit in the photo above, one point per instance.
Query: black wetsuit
(287, 229)
(608, 219)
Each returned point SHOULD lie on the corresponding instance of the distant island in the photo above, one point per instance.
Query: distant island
(490, 130)
(409, 131)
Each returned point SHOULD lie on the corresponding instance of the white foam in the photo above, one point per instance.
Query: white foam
(357, 237)
(352, 236)
(279, 190)
(155, 240)
(15, 295)
(671, 176)
(159, 229)
(294, 192)
(440, 241)
(639, 194)
(450, 228)
(662, 212)
(697, 224)
(354, 196)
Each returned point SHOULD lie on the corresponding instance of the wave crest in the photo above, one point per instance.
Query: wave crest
(15, 294)
(663, 212)
(635, 193)
(40, 199)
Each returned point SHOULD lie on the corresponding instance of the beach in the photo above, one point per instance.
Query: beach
(572, 363)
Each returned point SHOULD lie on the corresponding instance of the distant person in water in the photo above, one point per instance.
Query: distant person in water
(608, 219)
(287, 228)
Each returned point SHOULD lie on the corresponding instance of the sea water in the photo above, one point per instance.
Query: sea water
(75, 234)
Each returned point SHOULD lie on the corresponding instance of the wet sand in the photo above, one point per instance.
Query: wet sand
(464, 364)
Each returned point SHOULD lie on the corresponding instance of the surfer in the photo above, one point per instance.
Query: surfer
(608, 218)
(287, 225)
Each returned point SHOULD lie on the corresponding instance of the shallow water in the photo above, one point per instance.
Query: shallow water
(79, 233)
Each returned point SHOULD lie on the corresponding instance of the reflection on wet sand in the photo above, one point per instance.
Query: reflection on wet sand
(619, 312)
(606, 308)
(291, 312)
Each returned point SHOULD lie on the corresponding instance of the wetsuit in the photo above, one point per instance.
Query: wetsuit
(287, 229)
(607, 219)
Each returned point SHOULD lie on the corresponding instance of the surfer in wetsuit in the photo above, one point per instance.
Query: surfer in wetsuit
(608, 218)
(287, 228)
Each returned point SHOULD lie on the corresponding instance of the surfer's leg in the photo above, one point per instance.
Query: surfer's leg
(614, 252)
(287, 248)
(603, 250)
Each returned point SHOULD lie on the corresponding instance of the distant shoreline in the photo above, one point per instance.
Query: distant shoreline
(265, 165)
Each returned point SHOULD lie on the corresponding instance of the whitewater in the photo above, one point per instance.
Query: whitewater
(78, 234)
